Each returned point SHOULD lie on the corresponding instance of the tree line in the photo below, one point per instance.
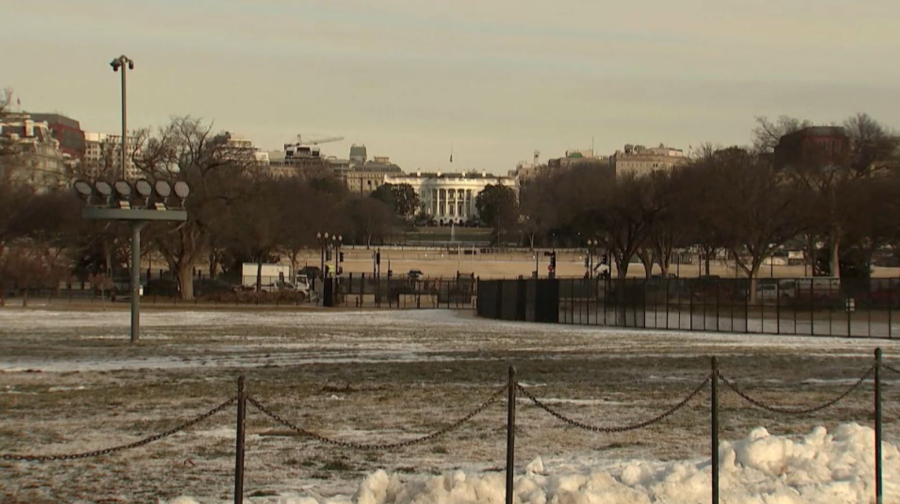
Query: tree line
(732, 200)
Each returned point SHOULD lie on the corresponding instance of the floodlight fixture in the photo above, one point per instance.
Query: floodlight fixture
(143, 187)
(123, 188)
(326, 235)
(340, 238)
(182, 190)
(163, 189)
(103, 188)
(319, 235)
(83, 188)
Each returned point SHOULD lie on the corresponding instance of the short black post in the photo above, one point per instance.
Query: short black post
(879, 484)
(511, 435)
(714, 430)
(239, 448)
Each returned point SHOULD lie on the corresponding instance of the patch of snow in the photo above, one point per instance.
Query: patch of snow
(761, 468)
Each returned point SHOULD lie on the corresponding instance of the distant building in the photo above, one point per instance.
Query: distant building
(449, 198)
(297, 160)
(640, 160)
(67, 132)
(37, 158)
(818, 146)
(103, 156)
(364, 178)
(579, 157)
(358, 154)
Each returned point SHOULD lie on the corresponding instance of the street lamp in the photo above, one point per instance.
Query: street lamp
(137, 211)
(589, 263)
(121, 62)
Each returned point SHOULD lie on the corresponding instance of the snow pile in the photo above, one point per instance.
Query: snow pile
(821, 467)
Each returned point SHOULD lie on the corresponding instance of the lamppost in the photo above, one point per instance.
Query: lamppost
(119, 202)
(591, 247)
(121, 62)
(323, 242)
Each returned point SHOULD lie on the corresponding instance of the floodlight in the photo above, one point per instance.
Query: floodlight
(326, 235)
(123, 188)
(319, 234)
(163, 189)
(144, 188)
(115, 64)
(130, 65)
(103, 188)
(182, 189)
(84, 188)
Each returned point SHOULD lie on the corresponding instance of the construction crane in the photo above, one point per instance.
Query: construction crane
(301, 141)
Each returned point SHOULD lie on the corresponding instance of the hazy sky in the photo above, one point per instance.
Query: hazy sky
(496, 78)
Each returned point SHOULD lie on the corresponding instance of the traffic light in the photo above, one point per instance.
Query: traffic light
(378, 258)
(553, 260)
(340, 257)
(327, 255)
(604, 259)
(587, 262)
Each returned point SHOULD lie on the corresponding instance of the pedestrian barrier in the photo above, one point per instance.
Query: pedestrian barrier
(798, 306)
(511, 388)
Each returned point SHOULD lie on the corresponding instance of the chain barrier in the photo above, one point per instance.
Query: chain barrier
(795, 411)
(114, 449)
(891, 369)
(625, 428)
(378, 446)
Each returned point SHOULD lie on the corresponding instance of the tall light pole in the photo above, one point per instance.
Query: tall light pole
(120, 63)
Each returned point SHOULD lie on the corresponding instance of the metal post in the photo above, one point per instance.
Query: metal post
(124, 124)
(510, 435)
(239, 443)
(879, 486)
(714, 430)
(777, 307)
(691, 306)
(136, 227)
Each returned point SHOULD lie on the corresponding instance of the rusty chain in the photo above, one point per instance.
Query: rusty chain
(795, 411)
(891, 369)
(624, 428)
(378, 446)
(114, 449)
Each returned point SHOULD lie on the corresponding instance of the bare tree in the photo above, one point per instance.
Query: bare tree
(187, 150)
(756, 208)
(370, 217)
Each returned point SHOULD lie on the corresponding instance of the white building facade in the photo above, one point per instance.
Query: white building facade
(449, 198)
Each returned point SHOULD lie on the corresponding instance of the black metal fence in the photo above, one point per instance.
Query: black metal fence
(803, 306)
(369, 291)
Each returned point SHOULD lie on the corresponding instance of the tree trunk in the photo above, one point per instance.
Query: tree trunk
(622, 266)
(213, 264)
(754, 280)
(834, 261)
(186, 281)
(259, 274)
(647, 261)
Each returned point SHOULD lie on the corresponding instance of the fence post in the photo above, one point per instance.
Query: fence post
(239, 443)
(714, 429)
(879, 487)
(510, 435)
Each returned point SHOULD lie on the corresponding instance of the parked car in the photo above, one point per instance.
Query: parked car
(415, 274)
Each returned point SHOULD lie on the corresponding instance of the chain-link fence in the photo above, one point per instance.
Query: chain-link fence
(801, 306)
(511, 389)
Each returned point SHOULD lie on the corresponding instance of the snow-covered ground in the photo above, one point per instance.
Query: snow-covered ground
(819, 467)
(71, 382)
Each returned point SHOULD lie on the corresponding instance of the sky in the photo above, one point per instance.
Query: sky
(493, 79)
